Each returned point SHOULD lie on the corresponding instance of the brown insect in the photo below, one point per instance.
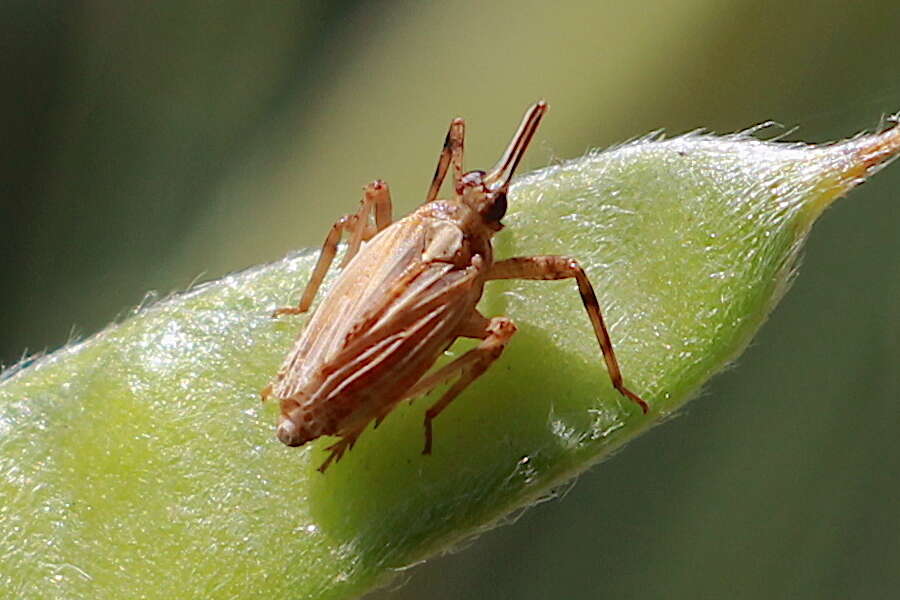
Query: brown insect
(404, 298)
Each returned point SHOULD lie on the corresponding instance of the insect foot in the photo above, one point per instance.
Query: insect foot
(470, 366)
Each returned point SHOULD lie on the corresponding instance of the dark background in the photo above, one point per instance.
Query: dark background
(149, 144)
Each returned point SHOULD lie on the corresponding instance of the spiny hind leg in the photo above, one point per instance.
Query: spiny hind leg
(451, 153)
(564, 267)
(377, 196)
(494, 335)
(338, 448)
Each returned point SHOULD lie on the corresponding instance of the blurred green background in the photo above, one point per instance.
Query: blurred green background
(147, 145)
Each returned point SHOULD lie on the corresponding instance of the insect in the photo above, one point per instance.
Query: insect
(405, 296)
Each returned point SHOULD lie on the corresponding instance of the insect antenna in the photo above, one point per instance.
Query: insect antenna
(498, 178)
(451, 153)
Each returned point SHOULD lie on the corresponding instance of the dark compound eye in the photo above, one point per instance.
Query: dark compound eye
(497, 208)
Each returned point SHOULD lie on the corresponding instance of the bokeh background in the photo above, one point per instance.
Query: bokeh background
(147, 145)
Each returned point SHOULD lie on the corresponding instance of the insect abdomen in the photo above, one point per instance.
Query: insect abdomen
(381, 327)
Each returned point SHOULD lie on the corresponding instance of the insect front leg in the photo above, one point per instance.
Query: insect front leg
(564, 267)
(452, 152)
(495, 334)
(375, 195)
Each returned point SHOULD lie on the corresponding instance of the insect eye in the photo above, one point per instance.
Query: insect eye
(473, 178)
(497, 208)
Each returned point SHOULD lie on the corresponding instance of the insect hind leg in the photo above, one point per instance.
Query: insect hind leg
(376, 195)
(338, 448)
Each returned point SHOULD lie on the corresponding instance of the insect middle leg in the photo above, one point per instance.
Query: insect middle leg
(494, 335)
(375, 195)
(564, 267)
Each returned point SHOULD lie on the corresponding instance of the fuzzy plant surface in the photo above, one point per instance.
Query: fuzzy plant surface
(140, 463)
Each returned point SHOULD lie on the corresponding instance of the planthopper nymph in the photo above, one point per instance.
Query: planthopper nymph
(407, 291)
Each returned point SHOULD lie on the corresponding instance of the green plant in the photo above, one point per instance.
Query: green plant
(140, 462)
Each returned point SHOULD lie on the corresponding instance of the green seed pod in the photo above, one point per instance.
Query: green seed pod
(140, 463)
